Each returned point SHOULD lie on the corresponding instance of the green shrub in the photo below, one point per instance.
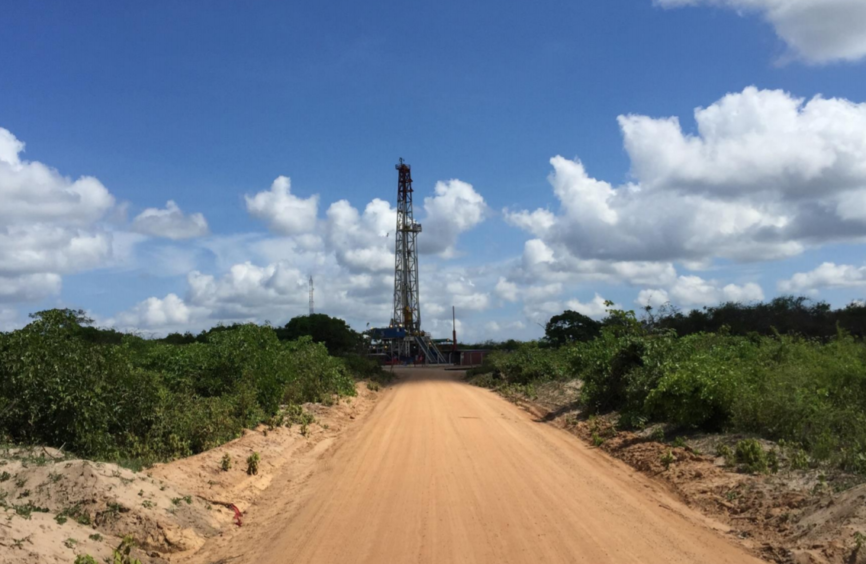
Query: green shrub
(750, 453)
(122, 552)
(144, 401)
(809, 393)
(85, 559)
(773, 461)
(529, 363)
(668, 458)
(364, 368)
(226, 463)
(253, 464)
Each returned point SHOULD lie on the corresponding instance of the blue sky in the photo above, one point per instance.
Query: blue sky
(205, 105)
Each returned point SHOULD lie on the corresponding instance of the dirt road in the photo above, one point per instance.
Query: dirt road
(444, 472)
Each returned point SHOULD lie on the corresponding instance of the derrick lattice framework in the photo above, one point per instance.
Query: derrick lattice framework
(407, 306)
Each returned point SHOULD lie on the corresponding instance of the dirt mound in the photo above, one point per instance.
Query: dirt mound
(84, 501)
(56, 507)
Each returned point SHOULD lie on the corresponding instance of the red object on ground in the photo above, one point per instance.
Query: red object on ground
(237, 514)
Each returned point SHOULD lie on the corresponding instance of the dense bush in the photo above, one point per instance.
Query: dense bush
(788, 315)
(528, 363)
(809, 392)
(149, 400)
(569, 327)
(332, 332)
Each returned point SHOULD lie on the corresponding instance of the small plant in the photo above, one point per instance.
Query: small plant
(176, 500)
(773, 461)
(188, 499)
(632, 420)
(821, 486)
(859, 541)
(96, 537)
(373, 386)
(19, 543)
(668, 458)
(123, 550)
(85, 559)
(732, 495)
(276, 421)
(54, 477)
(679, 442)
(658, 434)
(74, 511)
(750, 453)
(597, 440)
(60, 518)
(70, 543)
(27, 509)
(253, 463)
(799, 459)
(4, 476)
(147, 504)
(226, 463)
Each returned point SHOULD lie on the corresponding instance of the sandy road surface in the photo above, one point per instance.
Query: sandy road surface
(444, 472)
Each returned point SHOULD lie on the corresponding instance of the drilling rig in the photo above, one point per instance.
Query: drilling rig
(404, 336)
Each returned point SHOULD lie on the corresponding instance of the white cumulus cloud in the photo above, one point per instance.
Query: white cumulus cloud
(49, 224)
(766, 176)
(594, 308)
(652, 297)
(170, 223)
(170, 312)
(695, 291)
(284, 212)
(454, 209)
(827, 275)
(818, 31)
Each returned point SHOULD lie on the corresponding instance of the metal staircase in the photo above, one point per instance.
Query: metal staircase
(432, 354)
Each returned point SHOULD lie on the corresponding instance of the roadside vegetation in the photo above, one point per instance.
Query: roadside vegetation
(109, 396)
(728, 368)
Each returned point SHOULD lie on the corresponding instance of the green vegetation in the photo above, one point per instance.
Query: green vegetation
(226, 463)
(122, 552)
(332, 332)
(85, 559)
(750, 453)
(569, 327)
(253, 464)
(808, 391)
(668, 458)
(140, 401)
